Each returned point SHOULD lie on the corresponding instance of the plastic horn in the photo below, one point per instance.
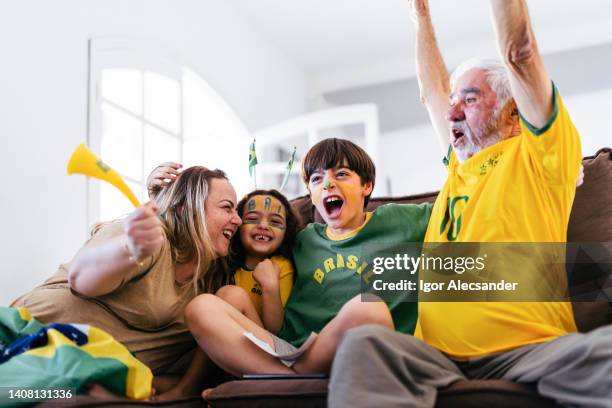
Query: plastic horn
(84, 161)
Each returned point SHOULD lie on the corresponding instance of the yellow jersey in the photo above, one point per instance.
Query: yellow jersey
(244, 279)
(518, 190)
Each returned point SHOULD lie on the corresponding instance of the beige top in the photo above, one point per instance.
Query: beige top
(145, 312)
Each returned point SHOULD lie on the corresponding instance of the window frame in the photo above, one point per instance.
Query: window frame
(125, 53)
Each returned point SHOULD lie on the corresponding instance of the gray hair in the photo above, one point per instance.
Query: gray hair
(496, 74)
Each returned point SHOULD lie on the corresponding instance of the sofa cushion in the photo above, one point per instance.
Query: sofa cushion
(270, 393)
(591, 222)
(491, 393)
(591, 218)
(312, 393)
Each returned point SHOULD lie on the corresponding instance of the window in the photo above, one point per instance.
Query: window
(140, 128)
(146, 109)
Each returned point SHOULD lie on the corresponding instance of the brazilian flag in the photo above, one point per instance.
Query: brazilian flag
(252, 158)
(35, 356)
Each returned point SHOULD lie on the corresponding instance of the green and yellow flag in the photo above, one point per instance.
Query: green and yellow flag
(66, 356)
(252, 158)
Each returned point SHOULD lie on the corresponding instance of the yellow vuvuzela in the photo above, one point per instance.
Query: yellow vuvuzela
(84, 161)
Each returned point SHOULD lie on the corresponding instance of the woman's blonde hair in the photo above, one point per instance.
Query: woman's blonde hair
(182, 209)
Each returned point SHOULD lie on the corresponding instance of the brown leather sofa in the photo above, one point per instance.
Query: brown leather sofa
(591, 221)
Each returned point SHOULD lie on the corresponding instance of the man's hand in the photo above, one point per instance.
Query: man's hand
(530, 84)
(418, 9)
(267, 274)
(161, 176)
(143, 231)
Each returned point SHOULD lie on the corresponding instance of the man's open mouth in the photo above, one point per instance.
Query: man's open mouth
(457, 135)
(333, 206)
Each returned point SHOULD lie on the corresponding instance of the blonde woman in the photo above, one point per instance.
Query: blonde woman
(133, 278)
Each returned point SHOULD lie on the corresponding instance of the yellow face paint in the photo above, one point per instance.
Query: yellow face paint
(264, 206)
(344, 186)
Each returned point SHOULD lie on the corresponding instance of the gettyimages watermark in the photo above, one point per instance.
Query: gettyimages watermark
(488, 272)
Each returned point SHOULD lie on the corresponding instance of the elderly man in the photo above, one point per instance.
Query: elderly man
(512, 172)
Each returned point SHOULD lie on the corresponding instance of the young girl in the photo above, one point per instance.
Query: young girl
(260, 258)
(259, 263)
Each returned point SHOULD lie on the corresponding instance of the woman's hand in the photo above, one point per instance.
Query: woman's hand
(103, 264)
(143, 232)
(267, 274)
(161, 176)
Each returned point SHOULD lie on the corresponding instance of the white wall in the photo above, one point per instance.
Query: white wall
(43, 100)
(412, 160)
(589, 112)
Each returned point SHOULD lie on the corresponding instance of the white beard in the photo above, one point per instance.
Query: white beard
(488, 136)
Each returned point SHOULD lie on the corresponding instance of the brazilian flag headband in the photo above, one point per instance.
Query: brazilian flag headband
(253, 164)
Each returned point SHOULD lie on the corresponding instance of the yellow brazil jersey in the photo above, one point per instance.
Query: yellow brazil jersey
(518, 190)
(244, 279)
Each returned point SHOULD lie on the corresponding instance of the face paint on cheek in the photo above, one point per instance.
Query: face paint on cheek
(344, 186)
(248, 225)
(347, 189)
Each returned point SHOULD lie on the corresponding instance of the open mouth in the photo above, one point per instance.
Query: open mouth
(262, 238)
(457, 136)
(228, 233)
(333, 206)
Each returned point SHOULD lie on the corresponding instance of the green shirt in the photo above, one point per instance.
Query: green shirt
(328, 272)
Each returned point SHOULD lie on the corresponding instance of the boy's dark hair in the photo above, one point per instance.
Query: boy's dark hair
(332, 153)
(236, 252)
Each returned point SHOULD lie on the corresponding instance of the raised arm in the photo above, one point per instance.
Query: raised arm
(531, 86)
(431, 72)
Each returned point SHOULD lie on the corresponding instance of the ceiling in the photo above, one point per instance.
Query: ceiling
(343, 44)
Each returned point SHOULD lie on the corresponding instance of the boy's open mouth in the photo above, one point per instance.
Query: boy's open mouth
(333, 206)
